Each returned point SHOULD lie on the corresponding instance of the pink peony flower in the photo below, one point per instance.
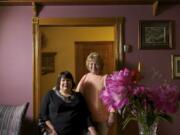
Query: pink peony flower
(123, 91)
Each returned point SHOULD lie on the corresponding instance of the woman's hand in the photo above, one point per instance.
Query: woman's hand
(92, 130)
(111, 119)
(53, 132)
(50, 128)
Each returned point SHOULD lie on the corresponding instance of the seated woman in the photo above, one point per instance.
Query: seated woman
(64, 111)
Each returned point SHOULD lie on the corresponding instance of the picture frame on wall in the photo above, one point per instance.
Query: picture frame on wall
(155, 34)
(47, 62)
(175, 64)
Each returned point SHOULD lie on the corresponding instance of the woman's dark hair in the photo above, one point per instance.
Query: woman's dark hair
(67, 75)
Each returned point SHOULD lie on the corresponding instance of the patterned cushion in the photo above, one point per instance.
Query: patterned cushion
(11, 118)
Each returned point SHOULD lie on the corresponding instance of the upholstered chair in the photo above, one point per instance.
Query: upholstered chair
(11, 118)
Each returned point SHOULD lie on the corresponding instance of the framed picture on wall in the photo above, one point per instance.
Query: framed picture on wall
(47, 62)
(155, 34)
(175, 63)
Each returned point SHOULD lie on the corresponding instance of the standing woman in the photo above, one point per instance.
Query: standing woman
(64, 111)
(90, 86)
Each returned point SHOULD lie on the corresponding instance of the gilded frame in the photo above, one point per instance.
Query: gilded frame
(117, 23)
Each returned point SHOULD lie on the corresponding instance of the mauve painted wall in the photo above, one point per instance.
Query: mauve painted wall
(16, 67)
(16, 56)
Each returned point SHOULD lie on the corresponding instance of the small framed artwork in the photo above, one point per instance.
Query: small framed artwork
(47, 62)
(175, 64)
(155, 34)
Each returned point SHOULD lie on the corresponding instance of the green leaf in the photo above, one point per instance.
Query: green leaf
(164, 116)
(127, 120)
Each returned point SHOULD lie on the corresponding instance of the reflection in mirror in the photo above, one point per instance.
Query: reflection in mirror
(73, 40)
(70, 54)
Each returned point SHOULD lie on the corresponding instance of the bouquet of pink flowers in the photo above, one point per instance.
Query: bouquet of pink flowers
(139, 102)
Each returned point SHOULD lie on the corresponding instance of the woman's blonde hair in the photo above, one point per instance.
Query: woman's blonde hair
(94, 56)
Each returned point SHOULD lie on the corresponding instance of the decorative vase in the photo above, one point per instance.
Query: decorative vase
(144, 129)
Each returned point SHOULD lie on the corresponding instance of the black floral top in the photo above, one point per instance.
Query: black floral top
(68, 116)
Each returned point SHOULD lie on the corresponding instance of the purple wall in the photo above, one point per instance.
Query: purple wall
(16, 51)
(16, 56)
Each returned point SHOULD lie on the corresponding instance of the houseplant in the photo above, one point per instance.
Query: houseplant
(134, 101)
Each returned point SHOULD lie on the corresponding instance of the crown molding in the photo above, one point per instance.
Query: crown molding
(86, 2)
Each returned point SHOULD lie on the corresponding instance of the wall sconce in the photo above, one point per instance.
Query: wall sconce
(127, 48)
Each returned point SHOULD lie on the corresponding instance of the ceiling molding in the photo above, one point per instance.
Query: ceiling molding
(86, 2)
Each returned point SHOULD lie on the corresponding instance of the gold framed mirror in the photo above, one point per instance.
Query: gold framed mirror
(39, 24)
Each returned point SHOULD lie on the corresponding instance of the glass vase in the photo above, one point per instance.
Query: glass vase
(144, 129)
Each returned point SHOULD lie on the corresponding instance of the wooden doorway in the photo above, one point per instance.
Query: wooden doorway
(104, 48)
